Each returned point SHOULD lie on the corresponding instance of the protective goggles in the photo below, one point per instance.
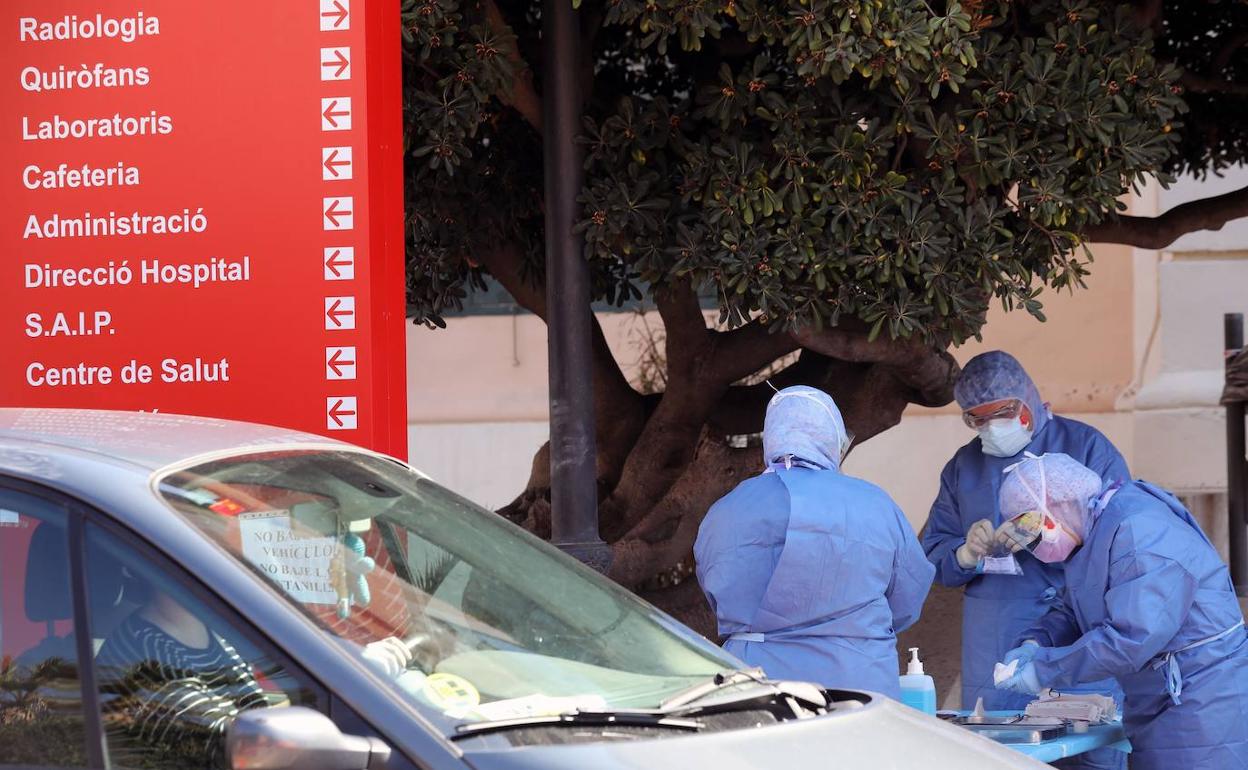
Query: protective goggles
(1007, 411)
(1028, 529)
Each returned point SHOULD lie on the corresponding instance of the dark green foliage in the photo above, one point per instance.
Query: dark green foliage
(893, 161)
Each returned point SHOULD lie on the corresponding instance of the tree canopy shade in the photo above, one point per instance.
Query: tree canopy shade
(855, 181)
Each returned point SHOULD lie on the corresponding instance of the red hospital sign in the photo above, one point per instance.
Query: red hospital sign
(203, 211)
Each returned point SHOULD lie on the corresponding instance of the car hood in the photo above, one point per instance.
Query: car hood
(883, 734)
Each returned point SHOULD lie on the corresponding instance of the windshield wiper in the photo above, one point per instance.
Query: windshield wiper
(721, 681)
(622, 718)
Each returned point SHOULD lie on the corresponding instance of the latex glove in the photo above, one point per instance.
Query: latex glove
(1001, 539)
(1025, 681)
(390, 656)
(1025, 652)
(978, 542)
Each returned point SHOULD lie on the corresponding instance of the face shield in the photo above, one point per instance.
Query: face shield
(1046, 507)
(1030, 530)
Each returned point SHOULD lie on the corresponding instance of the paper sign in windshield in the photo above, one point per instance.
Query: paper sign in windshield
(300, 565)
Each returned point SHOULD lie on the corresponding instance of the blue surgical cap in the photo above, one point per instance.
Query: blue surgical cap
(997, 375)
(804, 423)
(1054, 482)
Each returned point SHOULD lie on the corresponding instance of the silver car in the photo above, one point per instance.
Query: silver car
(180, 592)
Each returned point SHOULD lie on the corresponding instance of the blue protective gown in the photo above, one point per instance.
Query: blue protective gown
(996, 608)
(1147, 582)
(823, 566)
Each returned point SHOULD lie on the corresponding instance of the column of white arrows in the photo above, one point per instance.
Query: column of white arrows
(338, 211)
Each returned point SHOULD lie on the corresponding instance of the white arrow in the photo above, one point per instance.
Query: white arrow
(341, 413)
(336, 113)
(339, 213)
(336, 163)
(340, 363)
(336, 63)
(339, 313)
(335, 15)
(339, 263)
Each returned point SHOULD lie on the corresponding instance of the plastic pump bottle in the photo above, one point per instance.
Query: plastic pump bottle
(917, 689)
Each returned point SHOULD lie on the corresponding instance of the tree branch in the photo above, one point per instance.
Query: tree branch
(1223, 58)
(927, 374)
(687, 337)
(619, 410)
(1148, 15)
(747, 349)
(742, 408)
(667, 444)
(592, 16)
(522, 95)
(663, 539)
(1161, 231)
(1199, 84)
(506, 264)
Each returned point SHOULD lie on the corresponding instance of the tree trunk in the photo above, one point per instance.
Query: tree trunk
(665, 459)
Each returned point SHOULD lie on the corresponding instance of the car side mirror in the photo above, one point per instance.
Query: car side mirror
(298, 738)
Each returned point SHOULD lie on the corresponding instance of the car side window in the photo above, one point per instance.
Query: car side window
(41, 709)
(172, 671)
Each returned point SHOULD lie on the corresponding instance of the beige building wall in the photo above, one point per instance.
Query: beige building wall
(1137, 354)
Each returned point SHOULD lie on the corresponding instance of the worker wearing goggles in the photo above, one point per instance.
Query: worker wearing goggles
(1004, 595)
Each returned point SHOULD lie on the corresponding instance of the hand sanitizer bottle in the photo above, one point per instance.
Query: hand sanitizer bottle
(917, 689)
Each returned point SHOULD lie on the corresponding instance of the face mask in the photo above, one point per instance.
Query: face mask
(1038, 530)
(1004, 438)
(1041, 534)
(1056, 544)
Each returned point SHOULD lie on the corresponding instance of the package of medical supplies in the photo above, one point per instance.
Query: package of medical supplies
(1087, 707)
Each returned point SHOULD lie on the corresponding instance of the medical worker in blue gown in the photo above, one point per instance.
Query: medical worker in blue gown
(1001, 403)
(811, 573)
(1147, 601)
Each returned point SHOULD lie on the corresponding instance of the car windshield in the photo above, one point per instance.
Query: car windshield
(499, 623)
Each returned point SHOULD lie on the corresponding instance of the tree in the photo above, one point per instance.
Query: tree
(854, 182)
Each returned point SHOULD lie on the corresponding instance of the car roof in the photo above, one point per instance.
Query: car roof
(145, 439)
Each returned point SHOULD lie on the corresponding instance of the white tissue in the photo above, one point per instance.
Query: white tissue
(1003, 671)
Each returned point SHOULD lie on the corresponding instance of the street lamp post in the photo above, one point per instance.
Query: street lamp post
(573, 450)
(1237, 484)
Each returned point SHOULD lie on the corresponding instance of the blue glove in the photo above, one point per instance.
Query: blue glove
(1025, 681)
(1025, 652)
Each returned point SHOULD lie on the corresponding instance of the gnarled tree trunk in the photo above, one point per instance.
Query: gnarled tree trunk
(663, 459)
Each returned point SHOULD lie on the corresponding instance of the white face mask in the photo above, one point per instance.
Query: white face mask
(1004, 438)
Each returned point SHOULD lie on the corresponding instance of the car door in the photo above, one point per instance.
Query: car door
(112, 656)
